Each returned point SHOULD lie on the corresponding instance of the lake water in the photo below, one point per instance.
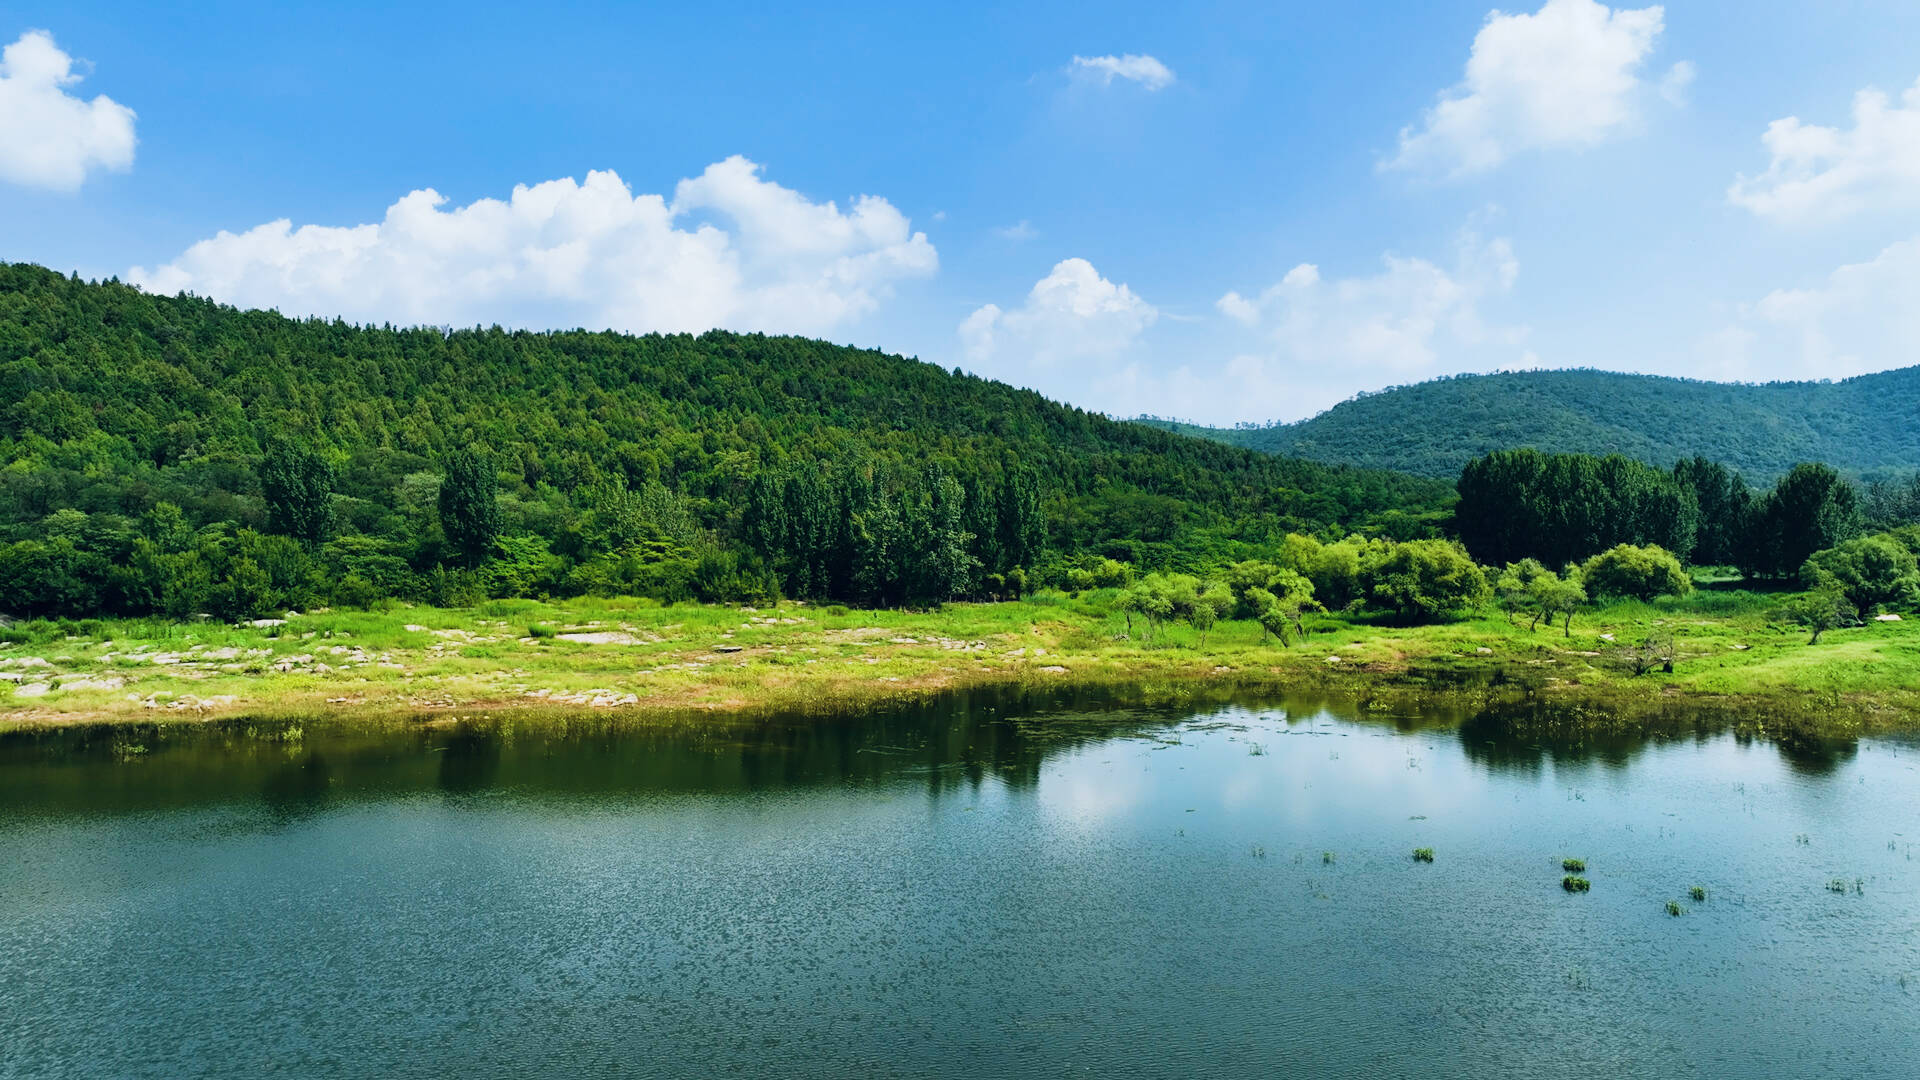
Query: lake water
(988, 886)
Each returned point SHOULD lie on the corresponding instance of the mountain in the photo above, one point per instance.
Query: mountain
(128, 417)
(1859, 425)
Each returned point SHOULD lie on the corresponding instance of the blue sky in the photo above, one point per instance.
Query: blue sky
(1225, 213)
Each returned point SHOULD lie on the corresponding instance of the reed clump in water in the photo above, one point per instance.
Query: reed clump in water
(1572, 883)
(1423, 854)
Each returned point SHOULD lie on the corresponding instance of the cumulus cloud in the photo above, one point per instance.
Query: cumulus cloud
(48, 137)
(731, 249)
(1821, 171)
(1145, 70)
(1073, 319)
(1412, 320)
(1860, 319)
(1565, 76)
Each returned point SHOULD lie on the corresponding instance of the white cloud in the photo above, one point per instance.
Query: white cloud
(1861, 319)
(48, 137)
(1828, 172)
(1074, 324)
(1145, 70)
(562, 254)
(1017, 233)
(1565, 76)
(1412, 320)
(1677, 81)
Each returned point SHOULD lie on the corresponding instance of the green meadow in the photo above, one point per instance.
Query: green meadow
(1727, 649)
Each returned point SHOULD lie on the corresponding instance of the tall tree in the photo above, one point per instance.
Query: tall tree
(297, 482)
(470, 506)
(1811, 509)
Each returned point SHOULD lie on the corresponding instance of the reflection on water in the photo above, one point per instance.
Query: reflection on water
(990, 884)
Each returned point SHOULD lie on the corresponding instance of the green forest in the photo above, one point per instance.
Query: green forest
(1861, 426)
(175, 457)
(170, 455)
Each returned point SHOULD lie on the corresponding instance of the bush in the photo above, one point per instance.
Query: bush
(1639, 573)
(1423, 579)
(1873, 571)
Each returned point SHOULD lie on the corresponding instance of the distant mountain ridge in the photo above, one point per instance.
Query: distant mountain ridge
(1864, 424)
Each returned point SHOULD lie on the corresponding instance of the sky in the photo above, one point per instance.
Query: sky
(1225, 213)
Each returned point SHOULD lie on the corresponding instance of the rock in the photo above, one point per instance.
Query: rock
(1484, 651)
(728, 648)
(1054, 669)
(1606, 637)
(262, 624)
(1333, 659)
(414, 628)
(32, 690)
(1888, 617)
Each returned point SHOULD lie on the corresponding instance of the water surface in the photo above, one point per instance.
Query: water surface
(990, 886)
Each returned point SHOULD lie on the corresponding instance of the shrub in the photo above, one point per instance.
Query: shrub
(1873, 571)
(1423, 579)
(1640, 573)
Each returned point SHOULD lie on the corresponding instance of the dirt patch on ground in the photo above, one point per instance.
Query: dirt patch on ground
(605, 637)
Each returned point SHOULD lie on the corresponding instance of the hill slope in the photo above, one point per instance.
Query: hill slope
(1433, 428)
(113, 401)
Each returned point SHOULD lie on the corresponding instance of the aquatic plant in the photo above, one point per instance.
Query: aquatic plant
(1699, 894)
(1674, 908)
(1575, 884)
(1574, 866)
(1258, 851)
(1327, 857)
(1837, 885)
(1423, 854)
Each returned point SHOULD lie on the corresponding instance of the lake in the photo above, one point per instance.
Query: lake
(989, 885)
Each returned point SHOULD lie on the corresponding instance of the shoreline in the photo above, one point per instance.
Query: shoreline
(642, 663)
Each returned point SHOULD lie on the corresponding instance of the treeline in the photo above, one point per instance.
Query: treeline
(1563, 508)
(172, 455)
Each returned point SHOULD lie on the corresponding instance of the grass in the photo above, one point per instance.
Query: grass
(1674, 908)
(1574, 866)
(1698, 894)
(641, 656)
(1423, 854)
(1572, 883)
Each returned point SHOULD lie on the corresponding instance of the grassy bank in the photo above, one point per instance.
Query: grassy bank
(641, 658)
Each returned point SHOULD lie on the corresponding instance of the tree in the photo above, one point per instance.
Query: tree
(1514, 586)
(1872, 571)
(1555, 594)
(297, 482)
(1726, 509)
(1820, 611)
(1810, 509)
(1278, 612)
(469, 506)
(1640, 573)
(1203, 605)
(1424, 579)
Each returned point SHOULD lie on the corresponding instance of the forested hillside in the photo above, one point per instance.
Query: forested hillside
(1859, 425)
(171, 454)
